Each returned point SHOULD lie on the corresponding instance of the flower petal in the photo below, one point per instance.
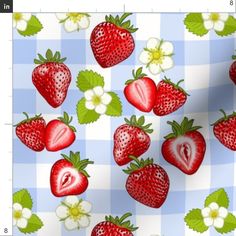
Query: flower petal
(22, 223)
(167, 48)
(206, 211)
(145, 57)
(101, 109)
(224, 16)
(208, 221)
(214, 206)
(223, 212)
(62, 211)
(89, 105)
(26, 213)
(218, 222)
(84, 221)
(98, 90)
(86, 206)
(153, 43)
(21, 25)
(154, 68)
(17, 206)
(71, 200)
(167, 63)
(106, 98)
(208, 24)
(206, 16)
(61, 16)
(70, 224)
(219, 25)
(26, 16)
(70, 25)
(84, 22)
(89, 94)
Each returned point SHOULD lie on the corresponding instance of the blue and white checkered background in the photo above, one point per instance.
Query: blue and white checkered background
(202, 62)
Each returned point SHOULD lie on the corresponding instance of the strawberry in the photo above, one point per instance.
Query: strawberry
(141, 91)
(31, 132)
(185, 147)
(169, 98)
(147, 183)
(114, 226)
(225, 130)
(52, 78)
(232, 70)
(131, 139)
(68, 175)
(59, 133)
(111, 41)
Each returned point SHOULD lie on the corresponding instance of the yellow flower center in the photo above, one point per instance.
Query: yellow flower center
(75, 17)
(76, 212)
(17, 16)
(215, 17)
(96, 100)
(157, 56)
(214, 214)
(17, 214)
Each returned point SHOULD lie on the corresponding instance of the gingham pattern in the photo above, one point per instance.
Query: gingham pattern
(202, 62)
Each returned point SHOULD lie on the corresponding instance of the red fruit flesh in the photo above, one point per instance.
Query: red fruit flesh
(232, 72)
(129, 140)
(149, 185)
(52, 81)
(111, 44)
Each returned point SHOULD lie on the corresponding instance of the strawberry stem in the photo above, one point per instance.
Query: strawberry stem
(176, 86)
(67, 120)
(49, 58)
(225, 117)
(234, 57)
(138, 74)
(28, 119)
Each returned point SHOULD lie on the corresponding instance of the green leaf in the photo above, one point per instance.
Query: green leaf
(23, 197)
(33, 27)
(85, 116)
(34, 224)
(229, 224)
(89, 79)
(115, 106)
(195, 24)
(219, 196)
(230, 27)
(194, 220)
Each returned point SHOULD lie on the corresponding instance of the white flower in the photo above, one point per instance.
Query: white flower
(157, 55)
(215, 21)
(20, 20)
(74, 21)
(74, 213)
(214, 215)
(97, 99)
(20, 215)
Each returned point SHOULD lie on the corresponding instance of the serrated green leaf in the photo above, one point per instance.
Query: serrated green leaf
(230, 27)
(85, 116)
(115, 107)
(229, 224)
(34, 224)
(195, 24)
(89, 79)
(23, 197)
(219, 196)
(33, 27)
(194, 220)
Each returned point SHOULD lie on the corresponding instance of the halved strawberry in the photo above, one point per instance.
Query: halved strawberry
(68, 175)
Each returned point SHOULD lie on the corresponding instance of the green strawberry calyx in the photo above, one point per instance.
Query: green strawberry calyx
(67, 120)
(120, 222)
(77, 163)
(50, 57)
(137, 164)
(181, 129)
(176, 86)
(119, 21)
(138, 74)
(140, 123)
(234, 57)
(225, 117)
(29, 119)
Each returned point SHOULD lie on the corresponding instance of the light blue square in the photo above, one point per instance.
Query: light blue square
(173, 224)
(44, 45)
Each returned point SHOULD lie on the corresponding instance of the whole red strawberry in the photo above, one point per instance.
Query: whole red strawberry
(232, 70)
(52, 78)
(31, 132)
(185, 147)
(147, 183)
(111, 41)
(131, 139)
(169, 98)
(68, 175)
(114, 226)
(225, 130)
(141, 91)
